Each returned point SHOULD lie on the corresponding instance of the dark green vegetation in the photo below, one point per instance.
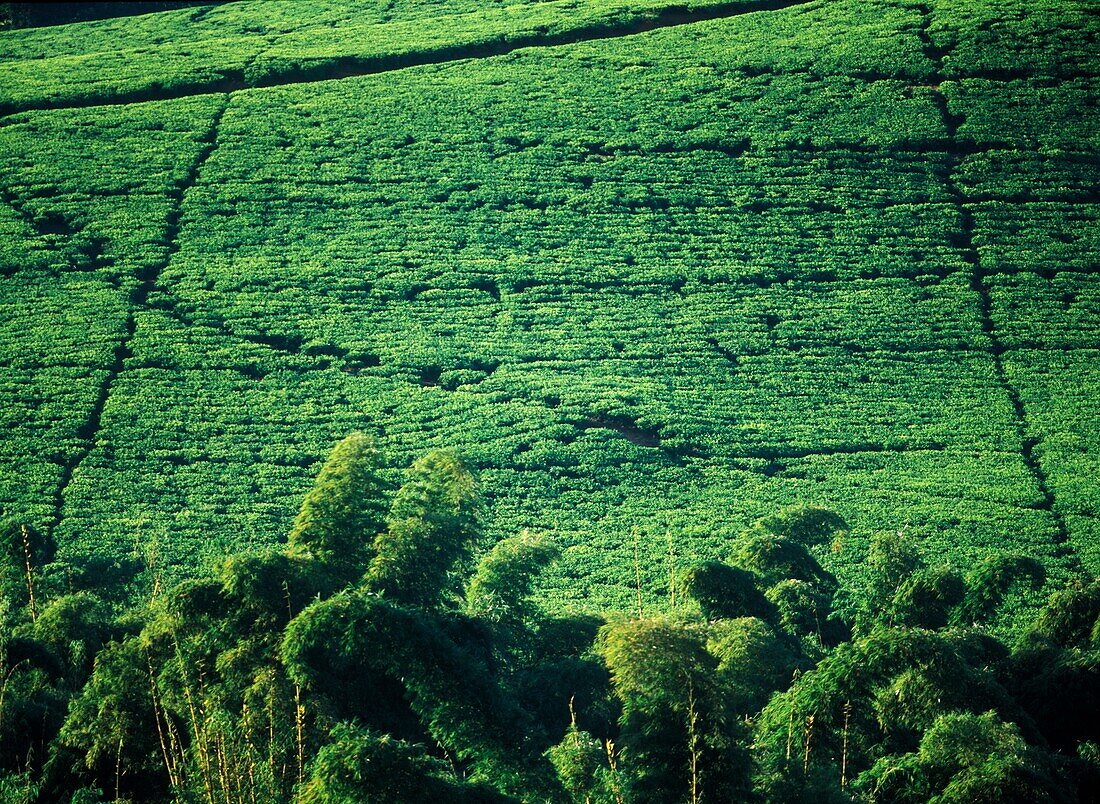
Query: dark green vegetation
(655, 270)
(34, 15)
(372, 659)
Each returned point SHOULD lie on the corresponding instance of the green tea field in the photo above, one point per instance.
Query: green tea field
(653, 268)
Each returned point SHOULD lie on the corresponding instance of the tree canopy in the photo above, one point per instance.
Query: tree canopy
(384, 654)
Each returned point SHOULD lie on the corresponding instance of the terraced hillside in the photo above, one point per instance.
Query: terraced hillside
(654, 269)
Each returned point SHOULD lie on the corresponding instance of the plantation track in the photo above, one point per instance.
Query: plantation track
(354, 66)
(980, 286)
(139, 298)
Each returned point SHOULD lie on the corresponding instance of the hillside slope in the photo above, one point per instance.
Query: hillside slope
(651, 286)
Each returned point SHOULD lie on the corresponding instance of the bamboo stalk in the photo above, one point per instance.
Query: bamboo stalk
(844, 752)
(175, 750)
(790, 735)
(693, 742)
(809, 738)
(251, 754)
(299, 722)
(223, 765)
(118, 768)
(671, 571)
(271, 730)
(30, 571)
(160, 732)
(637, 572)
(200, 746)
(616, 791)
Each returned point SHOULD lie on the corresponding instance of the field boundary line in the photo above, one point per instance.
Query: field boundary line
(980, 286)
(138, 298)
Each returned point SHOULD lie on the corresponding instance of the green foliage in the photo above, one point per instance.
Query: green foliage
(112, 718)
(927, 598)
(809, 525)
(991, 119)
(557, 284)
(432, 526)
(807, 611)
(581, 764)
(557, 675)
(33, 706)
(904, 591)
(652, 661)
(869, 697)
(988, 583)
(500, 589)
(358, 765)
(74, 628)
(1070, 617)
(1056, 669)
(678, 737)
(891, 560)
(1048, 38)
(352, 637)
(280, 676)
(661, 283)
(23, 553)
(18, 788)
(83, 212)
(966, 758)
(725, 592)
(261, 46)
(777, 558)
(345, 509)
(753, 662)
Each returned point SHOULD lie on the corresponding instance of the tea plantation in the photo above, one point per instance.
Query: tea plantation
(654, 269)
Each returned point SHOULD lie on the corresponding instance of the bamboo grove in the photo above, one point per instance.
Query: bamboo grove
(384, 652)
